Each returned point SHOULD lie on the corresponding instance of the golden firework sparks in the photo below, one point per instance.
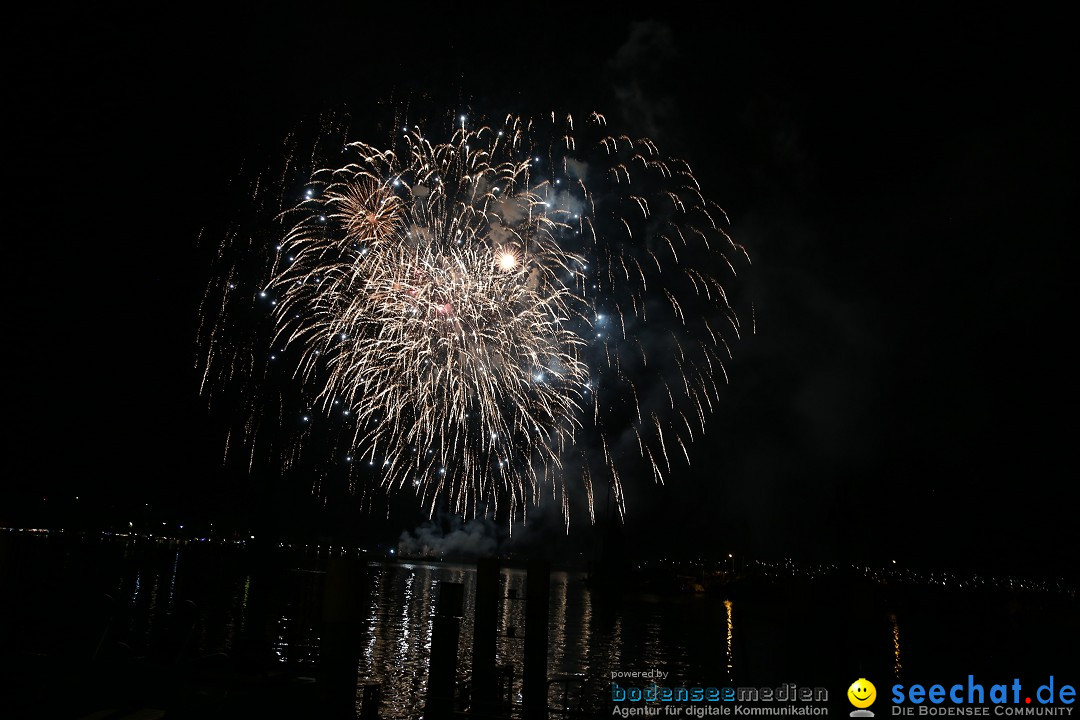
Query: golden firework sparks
(475, 307)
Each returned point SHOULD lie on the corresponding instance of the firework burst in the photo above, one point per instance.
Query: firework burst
(484, 309)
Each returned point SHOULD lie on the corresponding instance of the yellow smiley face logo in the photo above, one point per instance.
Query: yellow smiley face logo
(862, 693)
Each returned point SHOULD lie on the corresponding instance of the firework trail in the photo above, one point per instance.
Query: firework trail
(480, 313)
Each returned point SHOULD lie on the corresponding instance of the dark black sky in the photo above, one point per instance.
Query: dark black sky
(903, 180)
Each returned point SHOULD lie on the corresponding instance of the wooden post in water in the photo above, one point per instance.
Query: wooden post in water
(485, 633)
(534, 677)
(445, 633)
(339, 654)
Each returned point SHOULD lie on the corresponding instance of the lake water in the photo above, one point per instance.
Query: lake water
(813, 635)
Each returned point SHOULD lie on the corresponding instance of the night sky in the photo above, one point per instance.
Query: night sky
(901, 179)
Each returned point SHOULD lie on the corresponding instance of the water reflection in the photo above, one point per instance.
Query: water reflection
(897, 666)
(729, 608)
(401, 606)
(272, 607)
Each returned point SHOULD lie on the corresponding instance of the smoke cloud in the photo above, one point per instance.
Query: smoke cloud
(447, 537)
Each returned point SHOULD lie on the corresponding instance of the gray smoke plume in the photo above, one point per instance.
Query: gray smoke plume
(447, 537)
(639, 76)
